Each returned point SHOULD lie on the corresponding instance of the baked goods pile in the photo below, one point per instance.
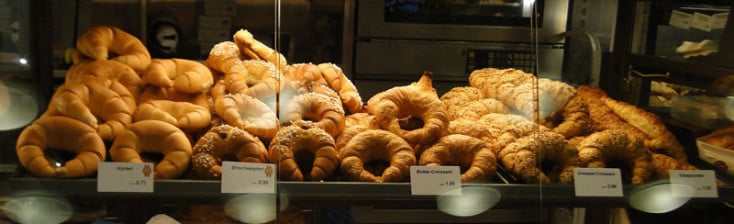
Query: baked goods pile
(247, 103)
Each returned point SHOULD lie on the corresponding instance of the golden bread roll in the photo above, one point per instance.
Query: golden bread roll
(60, 133)
(105, 72)
(157, 137)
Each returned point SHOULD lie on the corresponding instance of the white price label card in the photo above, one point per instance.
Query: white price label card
(242, 177)
(435, 180)
(598, 182)
(125, 177)
(719, 20)
(694, 183)
(702, 21)
(680, 19)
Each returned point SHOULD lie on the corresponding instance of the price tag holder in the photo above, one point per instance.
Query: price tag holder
(598, 182)
(125, 177)
(694, 183)
(720, 20)
(242, 177)
(680, 19)
(702, 22)
(435, 180)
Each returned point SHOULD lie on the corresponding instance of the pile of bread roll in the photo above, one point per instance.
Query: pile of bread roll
(247, 103)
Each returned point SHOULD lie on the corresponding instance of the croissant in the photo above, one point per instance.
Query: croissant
(247, 113)
(184, 75)
(248, 45)
(221, 143)
(353, 124)
(472, 154)
(572, 120)
(599, 149)
(493, 82)
(98, 42)
(158, 137)
(303, 152)
(93, 104)
(223, 56)
(419, 100)
(338, 81)
(157, 93)
(60, 133)
(456, 97)
(663, 164)
(104, 72)
(325, 114)
(658, 136)
(304, 73)
(187, 116)
(523, 157)
(602, 117)
(374, 146)
(474, 110)
(507, 128)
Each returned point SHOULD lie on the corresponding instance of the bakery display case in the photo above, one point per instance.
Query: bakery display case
(292, 111)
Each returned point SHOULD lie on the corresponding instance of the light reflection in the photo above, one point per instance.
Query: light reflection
(252, 208)
(23, 61)
(38, 209)
(18, 107)
(659, 197)
(473, 201)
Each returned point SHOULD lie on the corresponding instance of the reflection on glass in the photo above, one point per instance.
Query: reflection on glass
(38, 209)
(252, 208)
(17, 107)
(473, 201)
(659, 197)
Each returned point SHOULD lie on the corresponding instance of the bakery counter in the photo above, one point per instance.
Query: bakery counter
(338, 194)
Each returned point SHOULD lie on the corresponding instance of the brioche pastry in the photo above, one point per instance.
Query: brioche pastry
(249, 114)
(103, 42)
(417, 100)
(659, 138)
(187, 116)
(374, 146)
(249, 45)
(183, 75)
(157, 137)
(600, 149)
(303, 152)
(60, 133)
(323, 112)
(526, 158)
(94, 105)
(477, 160)
(225, 143)
(338, 81)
